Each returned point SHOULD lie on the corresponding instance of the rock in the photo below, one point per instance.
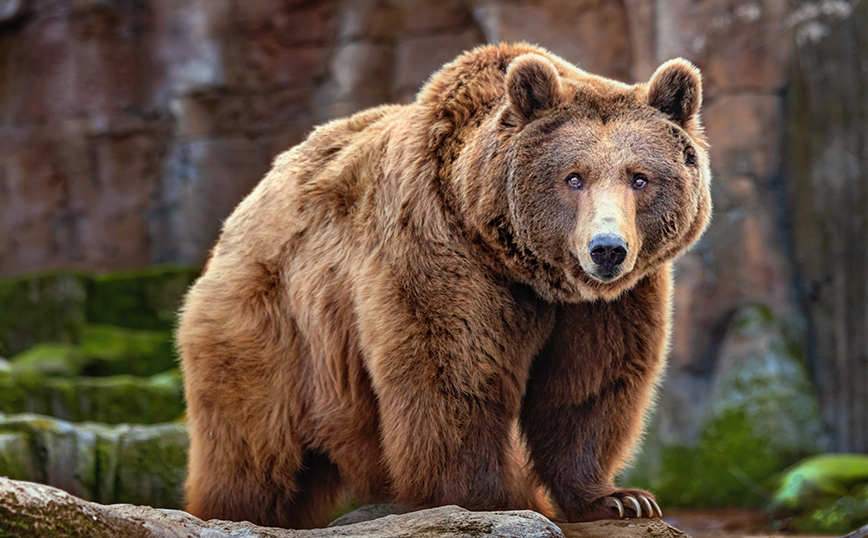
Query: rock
(145, 299)
(825, 494)
(14, 10)
(142, 464)
(41, 308)
(113, 399)
(650, 528)
(370, 512)
(828, 206)
(112, 350)
(28, 509)
(53, 360)
(104, 351)
(762, 416)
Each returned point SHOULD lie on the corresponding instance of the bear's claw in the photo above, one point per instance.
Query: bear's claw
(615, 503)
(634, 503)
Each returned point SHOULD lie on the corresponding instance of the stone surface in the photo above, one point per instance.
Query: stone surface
(828, 200)
(109, 464)
(45, 308)
(30, 509)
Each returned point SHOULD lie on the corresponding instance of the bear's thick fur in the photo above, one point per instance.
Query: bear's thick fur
(413, 289)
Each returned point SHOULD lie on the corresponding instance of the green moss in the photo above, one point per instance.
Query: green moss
(152, 463)
(114, 350)
(48, 307)
(109, 464)
(51, 359)
(111, 400)
(826, 494)
(820, 479)
(146, 299)
(16, 458)
(52, 519)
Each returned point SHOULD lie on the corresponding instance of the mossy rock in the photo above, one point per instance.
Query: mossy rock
(104, 351)
(113, 350)
(17, 459)
(113, 400)
(152, 465)
(826, 494)
(108, 464)
(49, 307)
(64, 360)
(148, 299)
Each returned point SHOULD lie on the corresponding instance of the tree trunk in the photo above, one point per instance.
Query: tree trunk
(827, 188)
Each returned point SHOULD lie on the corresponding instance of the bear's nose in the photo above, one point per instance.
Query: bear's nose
(608, 251)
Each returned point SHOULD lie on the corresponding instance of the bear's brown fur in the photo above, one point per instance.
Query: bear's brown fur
(409, 284)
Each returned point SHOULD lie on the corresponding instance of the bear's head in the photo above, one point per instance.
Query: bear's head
(605, 181)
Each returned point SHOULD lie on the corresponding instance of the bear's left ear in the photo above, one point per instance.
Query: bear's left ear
(676, 90)
(532, 85)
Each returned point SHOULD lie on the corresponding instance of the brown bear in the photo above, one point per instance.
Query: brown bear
(411, 286)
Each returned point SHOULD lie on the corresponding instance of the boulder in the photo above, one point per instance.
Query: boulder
(140, 464)
(28, 509)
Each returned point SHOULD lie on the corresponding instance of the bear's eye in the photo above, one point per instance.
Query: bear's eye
(575, 181)
(639, 181)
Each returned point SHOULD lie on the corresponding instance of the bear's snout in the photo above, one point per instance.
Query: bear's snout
(608, 251)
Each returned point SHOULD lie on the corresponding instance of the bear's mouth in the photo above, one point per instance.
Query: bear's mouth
(591, 273)
(603, 275)
(594, 274)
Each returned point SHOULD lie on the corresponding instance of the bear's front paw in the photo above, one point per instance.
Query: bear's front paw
(630, 503)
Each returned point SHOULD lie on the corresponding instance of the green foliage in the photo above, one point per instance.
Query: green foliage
(825, 494)
(762, 416)
(729, 467)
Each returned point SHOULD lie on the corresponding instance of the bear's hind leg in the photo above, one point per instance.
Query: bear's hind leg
(226, 481)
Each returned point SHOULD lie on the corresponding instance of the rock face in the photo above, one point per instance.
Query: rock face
(28, 509)
(109, 464)
(129, 130)
(828, 198)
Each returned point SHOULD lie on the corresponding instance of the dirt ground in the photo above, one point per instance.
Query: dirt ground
(722, 523)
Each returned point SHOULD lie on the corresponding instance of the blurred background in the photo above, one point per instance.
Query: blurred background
(129, 129)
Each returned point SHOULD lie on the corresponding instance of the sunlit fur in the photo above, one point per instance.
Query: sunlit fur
(411, 283)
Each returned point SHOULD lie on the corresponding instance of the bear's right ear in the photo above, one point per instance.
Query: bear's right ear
(676, 90)
(533, 86)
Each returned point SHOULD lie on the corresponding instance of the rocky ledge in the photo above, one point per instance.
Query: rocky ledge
(29, 509)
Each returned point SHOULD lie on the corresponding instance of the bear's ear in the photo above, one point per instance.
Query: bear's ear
(533, 86)
(676, 90)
